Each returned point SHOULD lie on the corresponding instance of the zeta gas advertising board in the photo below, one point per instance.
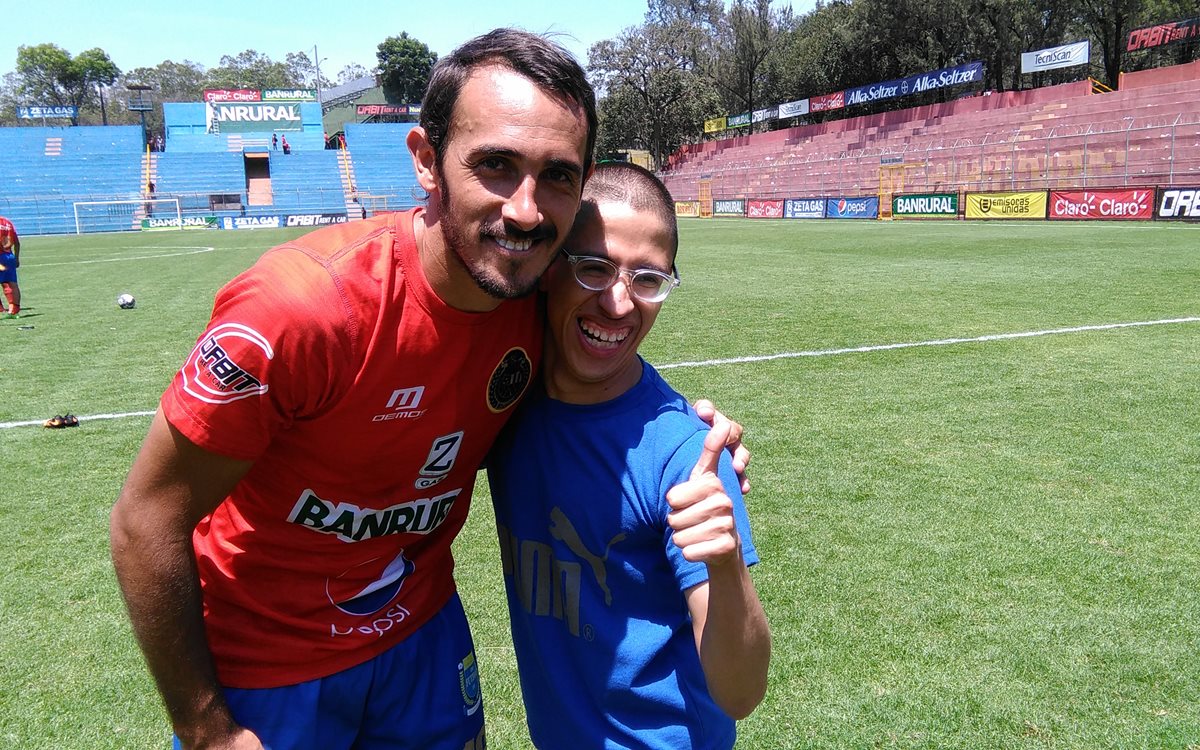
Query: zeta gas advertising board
(687, 208)
(852, 208)
(926, 205)
(729, 207)
(1178, 204)
(804, 208)
(760, 209)
(1023, 205)
(1110, 204)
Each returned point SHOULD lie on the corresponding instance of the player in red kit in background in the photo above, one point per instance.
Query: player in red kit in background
(10, 261)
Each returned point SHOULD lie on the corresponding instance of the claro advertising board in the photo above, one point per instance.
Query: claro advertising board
(1114, 204)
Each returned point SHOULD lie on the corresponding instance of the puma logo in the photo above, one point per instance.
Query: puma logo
(562, 530)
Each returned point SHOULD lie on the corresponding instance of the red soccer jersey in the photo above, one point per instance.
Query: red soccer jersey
(367, 406)
(8, 235)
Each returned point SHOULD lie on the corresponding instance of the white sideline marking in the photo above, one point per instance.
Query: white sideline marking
(789, 355)
(189, 251)
(938, 342)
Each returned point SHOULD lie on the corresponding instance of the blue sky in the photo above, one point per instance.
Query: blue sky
(146, 33)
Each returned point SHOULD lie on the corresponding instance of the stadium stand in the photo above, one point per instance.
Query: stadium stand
(1147, 133)
(383, 172)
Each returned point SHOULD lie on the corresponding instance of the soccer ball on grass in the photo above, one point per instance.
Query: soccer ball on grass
(126, 301)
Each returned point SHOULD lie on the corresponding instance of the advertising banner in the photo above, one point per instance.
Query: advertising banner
(1178, 204)
(715, 125)
(38, 112)
(872, 93)
(1053, 58)
(1164, 33)
(804, 208)
(762, 115)
(738, 121)
(687, 208)
(759, 209)
(1111, 204)
(1026, 205)
(232, 95)
(852, 208)
(289, 95)
(940, 79)
(314, 220)
(369, 110)
(826, 102)
(729, 208)
(227, 117)
(793, 109)
(250, 222)
(925, 204)
(172, 222)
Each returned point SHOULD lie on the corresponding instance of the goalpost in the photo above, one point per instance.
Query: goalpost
(123, 216)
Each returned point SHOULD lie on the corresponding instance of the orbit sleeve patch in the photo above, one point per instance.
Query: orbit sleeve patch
(227, 365)
(509, 379)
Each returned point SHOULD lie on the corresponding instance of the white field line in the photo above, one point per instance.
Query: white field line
(188, 251)
(792, 355)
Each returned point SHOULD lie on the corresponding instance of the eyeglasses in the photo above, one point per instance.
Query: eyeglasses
(597, 274)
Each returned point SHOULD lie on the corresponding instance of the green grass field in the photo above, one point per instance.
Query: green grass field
(982, 544)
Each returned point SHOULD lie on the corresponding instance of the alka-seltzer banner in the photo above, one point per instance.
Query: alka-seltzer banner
(1163, 33)
(1053, 58)
(1178, 204)
(729, 207)
(1111, 204)
(715, 125)
(764, 209)
(935, 79)
(252, 117)
(804, 208)
(940, 205)
(852, 208)
(1024, 205)
(49, 112)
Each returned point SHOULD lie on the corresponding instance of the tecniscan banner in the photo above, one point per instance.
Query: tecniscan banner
(1178, 204)
(253, 117)
(804, 208)
(941, 205)
(1053, 58)
(1163, 33)
(852, 208)
(729, 207)
(760, 209)
(1110, 204)
(1023, 205)
(793, 109)
(49, 112)
(687, 208)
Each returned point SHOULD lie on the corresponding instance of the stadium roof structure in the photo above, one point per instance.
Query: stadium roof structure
(346, 92)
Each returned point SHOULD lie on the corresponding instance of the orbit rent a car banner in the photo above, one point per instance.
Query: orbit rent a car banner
(1110, 204)
(1176, 203)
(1021, 205)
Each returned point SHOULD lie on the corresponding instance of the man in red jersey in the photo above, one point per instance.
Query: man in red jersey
(10, 260)
(283, 537)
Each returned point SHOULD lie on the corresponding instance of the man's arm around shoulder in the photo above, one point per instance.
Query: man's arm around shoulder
(172, 485)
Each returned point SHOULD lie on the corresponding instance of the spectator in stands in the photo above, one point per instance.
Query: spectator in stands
(287, 148)
(149, 206)
(283, 537)
(275, 141)
(10, 261)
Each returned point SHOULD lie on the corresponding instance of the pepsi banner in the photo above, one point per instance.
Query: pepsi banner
(729, 208)
(804, 208)
(1178, 204)
(1108, 204)
(1162, 34)
(760, 209)
(852, 208)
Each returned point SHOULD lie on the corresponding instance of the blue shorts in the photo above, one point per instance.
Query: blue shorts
(9, 261)
(420, 694)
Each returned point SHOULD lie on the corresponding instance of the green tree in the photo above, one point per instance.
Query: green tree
(48, 74)
(98, 71)
(251, 70)
(351, 72)
(169, 81)
(404, 67)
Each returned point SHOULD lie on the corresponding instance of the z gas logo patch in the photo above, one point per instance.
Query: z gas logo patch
(442, 455)
(509, 380)
(221, 368)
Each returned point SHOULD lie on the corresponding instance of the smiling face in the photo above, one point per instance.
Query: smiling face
(593, 337)
(503, 191)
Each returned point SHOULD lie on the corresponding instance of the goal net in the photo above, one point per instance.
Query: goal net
(123, 216)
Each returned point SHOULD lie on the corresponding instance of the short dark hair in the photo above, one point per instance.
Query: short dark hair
(634, 186)
(540, 60)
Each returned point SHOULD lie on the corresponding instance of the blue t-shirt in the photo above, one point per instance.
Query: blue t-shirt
(595, 584)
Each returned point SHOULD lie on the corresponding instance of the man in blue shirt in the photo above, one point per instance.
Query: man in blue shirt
(623, 534)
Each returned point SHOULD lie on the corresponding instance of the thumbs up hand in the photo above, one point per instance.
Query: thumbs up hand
(701, 513)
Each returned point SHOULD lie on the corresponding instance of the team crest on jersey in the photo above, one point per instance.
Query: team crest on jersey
(509, 379)
(468, 684)
(227, 364)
